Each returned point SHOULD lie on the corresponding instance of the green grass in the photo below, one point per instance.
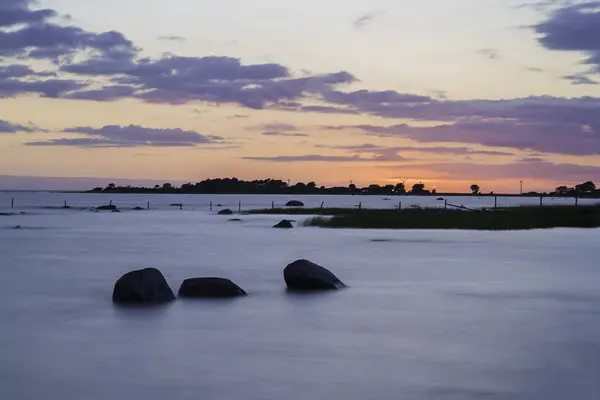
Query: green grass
(517, 218)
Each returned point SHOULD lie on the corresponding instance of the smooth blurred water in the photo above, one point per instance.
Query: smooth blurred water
(428, 314)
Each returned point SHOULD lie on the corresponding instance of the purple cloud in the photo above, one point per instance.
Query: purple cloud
(550, 137)
(289, 134)
(458, 151)
(130, 136)
(7, 127)
(309, 158)
(52, 88)
(573, 28)
(580, 80)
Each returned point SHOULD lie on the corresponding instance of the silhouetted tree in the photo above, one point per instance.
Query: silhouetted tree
(586, 187)
(418, 188)
(475, 189)
(399, 188)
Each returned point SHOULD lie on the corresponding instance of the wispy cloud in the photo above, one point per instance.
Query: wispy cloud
(8, 127)
(172, 38)
(360, 22)
(579, 79)
(492, 54)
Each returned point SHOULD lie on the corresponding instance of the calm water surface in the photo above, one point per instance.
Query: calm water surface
(428, 315)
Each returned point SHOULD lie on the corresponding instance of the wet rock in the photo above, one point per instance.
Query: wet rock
(116, 210)
(305, 276)
(226, 211)
(144, 286)
(138, 209)
(294, 203)
(176, 205)
(285, 224)
(17, 227)
(441, 199)
(108, 207)
(209, 288)
(235, 220)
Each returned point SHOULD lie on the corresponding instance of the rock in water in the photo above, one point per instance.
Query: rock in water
(109, 207)
(306, 275)
(138, 209)
(144, 286)
(226, 211)
(294, 203)
(285, 224)
(209, 288)
(235, 220)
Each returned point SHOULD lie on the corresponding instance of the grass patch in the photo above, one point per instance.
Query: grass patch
(517, 218)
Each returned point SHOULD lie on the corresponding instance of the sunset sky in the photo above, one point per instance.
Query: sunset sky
(449, 93)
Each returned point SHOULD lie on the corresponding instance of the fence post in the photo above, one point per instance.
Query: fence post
(273, 205)
(210, 206)
(445, 204)
(495, 202)
(148, 205)
(541, 201)
(322, 204)
(360, 205)
(110, 204)
(240, 206)
(181, 206)
(12, 203)
(576, 201)
(399, 205)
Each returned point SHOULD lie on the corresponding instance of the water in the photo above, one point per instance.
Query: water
(428, 314)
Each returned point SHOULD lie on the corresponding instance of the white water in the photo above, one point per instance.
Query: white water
(428, 315)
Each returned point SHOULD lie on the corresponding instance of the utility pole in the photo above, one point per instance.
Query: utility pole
(521, 188)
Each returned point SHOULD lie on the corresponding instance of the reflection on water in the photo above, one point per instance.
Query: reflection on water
(427, 315)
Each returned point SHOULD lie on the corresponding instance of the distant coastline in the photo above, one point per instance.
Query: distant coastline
(278, 187)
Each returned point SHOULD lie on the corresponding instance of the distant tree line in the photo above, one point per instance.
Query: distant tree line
(276, 186)
(264, 186)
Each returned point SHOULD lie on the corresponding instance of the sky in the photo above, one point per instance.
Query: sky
(447, 93)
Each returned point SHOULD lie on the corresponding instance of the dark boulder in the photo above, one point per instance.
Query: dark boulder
(138, 209)
(235, 220)
(285, 224)
(209, 288)
(294, 203)
(116, 210)
(144, 286)
(306, 275)
(109, 207)
(176, 205)
(226, 211)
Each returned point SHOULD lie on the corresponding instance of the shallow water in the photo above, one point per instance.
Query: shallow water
(427, 315)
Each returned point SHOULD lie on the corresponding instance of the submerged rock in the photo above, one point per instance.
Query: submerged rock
(144, 286)
(209, 288)
(235, 220)
(108, 207)
(294, 203)
(285, 224)
(226, 211)
(138, 209)
(306, 275)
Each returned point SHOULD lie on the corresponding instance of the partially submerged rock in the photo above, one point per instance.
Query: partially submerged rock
(285, 224)
(144, 286)
(108, 207)
(138, 209)
(226, 211)
(235, 220)
(306, 276)
(294, 203)
(210, 288)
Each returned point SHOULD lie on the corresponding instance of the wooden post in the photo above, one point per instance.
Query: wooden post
(65, 204)
(110, 204)
(181, 206)
(360, 205)
(210, 206)
(541, 201)
(240, 206)
(576, 201)
(495, 202)
(148, 205)
(273, 205)
(12, 203)
(322, 204)
(445, 204)
(399, 205)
